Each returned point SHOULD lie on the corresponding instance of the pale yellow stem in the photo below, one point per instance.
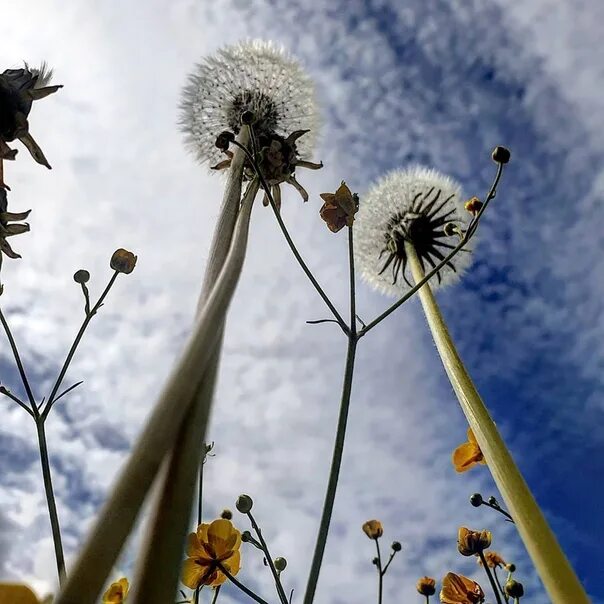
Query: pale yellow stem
(555, 571)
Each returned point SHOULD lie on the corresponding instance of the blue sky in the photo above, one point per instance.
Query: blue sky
(428, 82)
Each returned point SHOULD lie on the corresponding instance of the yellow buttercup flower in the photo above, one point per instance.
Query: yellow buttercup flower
(373, 529)
(472, 543)
(458, 589)
(212, 546)
(468, 454)
(117, 592)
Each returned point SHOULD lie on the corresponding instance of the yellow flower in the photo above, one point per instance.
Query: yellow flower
(213, 545)
(339, 208)
(373, 529)
(468, 454)
(426, 586)
(493, 560)
(14, 593)
(458, 589)
(470, 543)
(117, 592)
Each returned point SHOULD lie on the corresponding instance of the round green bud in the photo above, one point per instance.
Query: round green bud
(511, 568)
(224, 139)
(246, 536)
(280, 564)
(493, 501)
(396, 546)
(514, 589)
(248, 117)
(501, 155)
(244, 503)
(476, 500)
(82, 276)
(226, 514)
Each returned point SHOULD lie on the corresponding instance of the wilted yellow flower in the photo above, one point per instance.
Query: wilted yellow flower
(213, 545)
(458, 589)
(468, 454)
(373, 529)
(15, 593)
(117, 592)
(339, 208)
(493, 560)
(470, 543)
(426, 586)
(123, 261)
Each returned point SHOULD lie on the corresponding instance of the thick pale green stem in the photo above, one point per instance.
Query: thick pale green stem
(552, 565)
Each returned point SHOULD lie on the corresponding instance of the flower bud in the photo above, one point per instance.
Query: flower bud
(470, 543)
(227, 514)
(426, 586)
(248, 117)
(493, 501)
(511, 568)
(246, 537)
(451, 229)
(473, 205)
(224, 139)
(501, 155)
(373, 529)
(244, 503)
(280, 564)
(123, 261)
(396, 546)
(476, 500)
(514, 589)
(81, 276)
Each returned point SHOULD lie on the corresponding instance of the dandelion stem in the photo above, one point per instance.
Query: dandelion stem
(490, 576)
(462, 243)
(338, 450)
(50, 499)
(550, 562)
(380, 572)
(74, 347)
(241, 586)
(269, 559)
(290, 241)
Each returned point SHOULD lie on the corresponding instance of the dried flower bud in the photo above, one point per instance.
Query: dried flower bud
(501, 155)
(511, 568)
(248, 117)
(123, 261)
(373, 529)
(244, 503)
(339, 208)
(470, 543)
(426, 586)
(396, 546)
(82, 276)
(514, 589)
(476, 500)
(226, 514)
(473, 205)
(280, 564)
(224, 139)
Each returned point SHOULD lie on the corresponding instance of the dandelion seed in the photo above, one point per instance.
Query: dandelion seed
(412, 205)
(254, 76)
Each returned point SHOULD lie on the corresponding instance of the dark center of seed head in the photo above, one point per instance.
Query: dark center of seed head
(262, 106)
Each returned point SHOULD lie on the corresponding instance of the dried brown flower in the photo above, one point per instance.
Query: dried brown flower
(471, 543)
(339, 208)
(373, 529)
(123, 261)
(494, 560)
(458, 589)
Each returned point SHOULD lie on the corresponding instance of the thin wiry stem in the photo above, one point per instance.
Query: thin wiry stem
(505, 596)
(241, 586)
(557, 575)
(290, 242)
(380, 572)
(490, 576)
(17, 400)
(51, 398)
(338, 450)
(459, 247)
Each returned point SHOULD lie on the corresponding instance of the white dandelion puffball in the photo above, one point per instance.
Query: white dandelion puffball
(409, 205)
(257, 76)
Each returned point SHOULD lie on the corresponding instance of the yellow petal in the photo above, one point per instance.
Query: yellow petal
(202, 532)
(222, 537)
(13, 593)
(233, 564)
(193, 572)
(465, 456)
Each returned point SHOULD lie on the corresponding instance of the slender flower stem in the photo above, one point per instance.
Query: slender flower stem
(427, 599)
(216, 592)
(13, 345)
(241, 586)
(505, 597)
(388, 563)
(490, 576)
(50, 499)
(200, 510)
(289, 240)
(17, 400)
(269, 559)
(380, 571)
(53, 393)
(338, 450)
(550, 562)
(462, 243)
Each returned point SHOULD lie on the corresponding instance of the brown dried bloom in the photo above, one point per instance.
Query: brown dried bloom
(339, 208)
(123, 261)
(426, 586)
(373, 529)
(471, 543)
(8, 228)
(473, 205)
(494, 560)
(19, 88)
(458, 589)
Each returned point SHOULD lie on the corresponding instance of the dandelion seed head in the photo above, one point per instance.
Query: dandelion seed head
(255, 76)
(409, 205)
